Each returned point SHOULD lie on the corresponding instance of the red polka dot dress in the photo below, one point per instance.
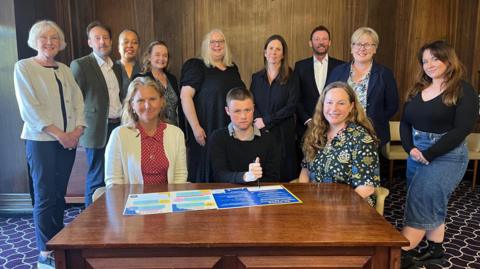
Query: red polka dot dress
(154, 160)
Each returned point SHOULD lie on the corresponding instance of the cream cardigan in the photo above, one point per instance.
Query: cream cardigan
(123, 156)
(38, 99)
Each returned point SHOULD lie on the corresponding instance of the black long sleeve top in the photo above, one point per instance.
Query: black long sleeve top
(230, 157)
(434, 116)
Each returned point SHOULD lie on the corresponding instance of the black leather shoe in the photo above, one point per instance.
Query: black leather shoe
(407, 259)
(433, 254)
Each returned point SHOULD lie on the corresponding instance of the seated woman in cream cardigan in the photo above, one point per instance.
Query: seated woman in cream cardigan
(145, 149)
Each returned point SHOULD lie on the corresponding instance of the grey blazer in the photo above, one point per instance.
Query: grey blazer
(89, 77)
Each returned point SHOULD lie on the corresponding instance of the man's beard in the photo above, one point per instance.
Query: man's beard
(317, 52)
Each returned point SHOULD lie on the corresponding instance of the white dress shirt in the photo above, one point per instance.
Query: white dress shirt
(320, 68)
(115, 107)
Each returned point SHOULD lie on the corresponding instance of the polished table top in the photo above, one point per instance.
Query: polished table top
(331, 215)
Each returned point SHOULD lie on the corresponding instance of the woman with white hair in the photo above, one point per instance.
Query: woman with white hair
(51, 106)
(204, 84)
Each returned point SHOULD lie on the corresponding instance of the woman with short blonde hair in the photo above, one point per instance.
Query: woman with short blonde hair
(373, 83)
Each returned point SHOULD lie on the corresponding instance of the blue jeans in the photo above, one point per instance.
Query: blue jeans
(429, 186)
(96, 168)
(50, 168)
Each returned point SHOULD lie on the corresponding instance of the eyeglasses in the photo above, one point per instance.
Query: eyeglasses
(366, 46)
(217, 42)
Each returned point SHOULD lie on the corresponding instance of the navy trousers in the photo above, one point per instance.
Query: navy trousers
(96, 168)
(50, 168)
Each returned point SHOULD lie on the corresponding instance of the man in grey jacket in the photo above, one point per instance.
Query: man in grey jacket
(99, 79)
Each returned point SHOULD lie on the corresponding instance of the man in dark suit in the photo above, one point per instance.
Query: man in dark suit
(312, 74)
(99, 79)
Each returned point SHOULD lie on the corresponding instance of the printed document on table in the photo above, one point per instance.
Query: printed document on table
(166, 202)
(254, 196)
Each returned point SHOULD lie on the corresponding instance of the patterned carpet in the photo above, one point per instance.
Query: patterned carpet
(462, 236)
(462, 242)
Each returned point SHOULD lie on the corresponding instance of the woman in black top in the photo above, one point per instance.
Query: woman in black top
(275, 92)
(128, 47)
(204, 86)
(440, 111)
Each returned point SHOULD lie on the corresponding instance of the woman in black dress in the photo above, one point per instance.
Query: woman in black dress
(276, 94)
(204, 85)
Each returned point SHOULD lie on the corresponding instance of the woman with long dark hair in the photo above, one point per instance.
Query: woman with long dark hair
(275, 92)
(440, 111)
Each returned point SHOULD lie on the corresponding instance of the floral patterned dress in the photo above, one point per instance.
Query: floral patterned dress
(350, 158)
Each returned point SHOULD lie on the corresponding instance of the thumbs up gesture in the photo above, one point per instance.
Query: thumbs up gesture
(254, 171)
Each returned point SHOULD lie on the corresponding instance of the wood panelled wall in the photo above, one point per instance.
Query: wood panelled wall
(403, 26)
(12, 160)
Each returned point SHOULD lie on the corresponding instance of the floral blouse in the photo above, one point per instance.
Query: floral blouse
(351, 158)
(361, 87)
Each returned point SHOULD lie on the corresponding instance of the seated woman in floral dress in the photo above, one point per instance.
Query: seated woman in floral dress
(341, 146)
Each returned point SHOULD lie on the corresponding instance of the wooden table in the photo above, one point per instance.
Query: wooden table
(333, 228)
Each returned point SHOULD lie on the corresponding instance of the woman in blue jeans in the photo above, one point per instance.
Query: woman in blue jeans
(440, 111)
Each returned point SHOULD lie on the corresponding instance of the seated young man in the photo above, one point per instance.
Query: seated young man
(240, 152)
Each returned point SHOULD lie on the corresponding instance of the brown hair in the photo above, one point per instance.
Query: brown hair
(147, 65)
(285, 70)
(315, 138)
(238, 93)
(452, 76)
(318, 29)
(94, 24)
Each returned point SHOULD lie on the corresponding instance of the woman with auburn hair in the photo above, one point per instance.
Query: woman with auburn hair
(440, 111)
(340, 145)
(145, 149)
(275, 91)
(204, 84)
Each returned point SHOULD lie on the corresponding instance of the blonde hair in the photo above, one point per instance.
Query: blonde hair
(315, 138)
(365, 31)
(206, 55)
(129, 117)
(41, 27)
(453, 74)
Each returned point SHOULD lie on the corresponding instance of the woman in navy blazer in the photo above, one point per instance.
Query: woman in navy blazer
(374, 83)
